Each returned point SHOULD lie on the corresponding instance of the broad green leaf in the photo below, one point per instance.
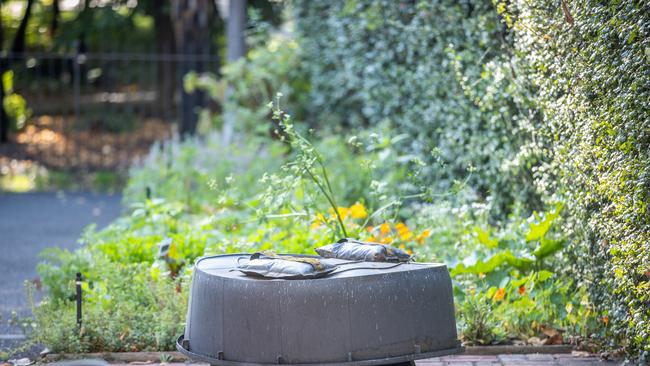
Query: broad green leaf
(521, 263)
(544, 275)
(484, 238)
(547, 247)
(493, 262)
(538, 229)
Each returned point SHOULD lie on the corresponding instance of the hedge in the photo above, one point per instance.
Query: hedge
(542, 100)
(437, 71)
(591, 61)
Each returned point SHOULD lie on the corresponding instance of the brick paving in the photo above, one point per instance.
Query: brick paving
(535, 359)
(483, 360)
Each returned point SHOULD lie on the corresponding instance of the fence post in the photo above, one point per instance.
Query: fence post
(76, 80)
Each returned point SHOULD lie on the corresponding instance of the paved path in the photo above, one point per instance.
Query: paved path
(30, 222)
(514, 360)
(496, 360)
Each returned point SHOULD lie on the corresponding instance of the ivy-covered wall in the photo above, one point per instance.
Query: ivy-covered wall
(547, 99)
(437, 71)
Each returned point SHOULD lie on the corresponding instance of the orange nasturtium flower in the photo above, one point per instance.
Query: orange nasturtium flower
(605, 320)
(384, 228)
(358, 211)
(500, 294)
(522, 290)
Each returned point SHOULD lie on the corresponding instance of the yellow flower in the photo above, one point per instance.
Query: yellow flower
(372, 239)
(343, 212)
(319, 220)
(358, 211)
(403, 231)
(423, 235)
(384, 228)
(387, 240)
(407, 235)
(500, 294)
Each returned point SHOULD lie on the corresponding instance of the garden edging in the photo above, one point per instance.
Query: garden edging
(177, 356)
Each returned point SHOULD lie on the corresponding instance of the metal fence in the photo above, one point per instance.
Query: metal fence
(100, 110)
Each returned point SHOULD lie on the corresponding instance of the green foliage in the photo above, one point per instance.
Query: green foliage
(478, 322)
(542, 100)
(440, 125)
(511, 252)
(269, 68)
(591, 63)
(124, 309)
(280, 210)
(14, 104)
(438, 72)
(511, 280)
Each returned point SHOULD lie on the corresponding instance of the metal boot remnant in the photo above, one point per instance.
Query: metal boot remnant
(365, 313)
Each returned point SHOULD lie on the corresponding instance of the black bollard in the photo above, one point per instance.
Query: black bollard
(78, 286)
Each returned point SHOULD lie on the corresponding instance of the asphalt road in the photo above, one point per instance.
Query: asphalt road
(31, 222)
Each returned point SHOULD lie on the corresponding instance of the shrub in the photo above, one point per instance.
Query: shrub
(437, 71)
(591, 62)
(268, 68)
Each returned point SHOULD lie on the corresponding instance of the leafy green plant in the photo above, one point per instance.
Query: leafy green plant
(14, 104)
(518, 270)
(308, 161)
(589, 63)
(511, 252)
(477, 320)
(439, 72)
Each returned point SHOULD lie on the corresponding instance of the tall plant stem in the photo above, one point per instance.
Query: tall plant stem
(329, 199)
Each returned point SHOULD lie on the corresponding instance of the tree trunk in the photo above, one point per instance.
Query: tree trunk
(56, 11)
(236, 25)
(192, 26)
(235, 31)
(19, 40)
(4, 119)
(165, 71)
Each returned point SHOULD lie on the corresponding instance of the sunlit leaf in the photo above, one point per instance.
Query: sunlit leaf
(547, 247)
(485, 239)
